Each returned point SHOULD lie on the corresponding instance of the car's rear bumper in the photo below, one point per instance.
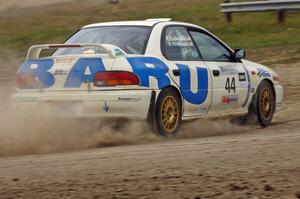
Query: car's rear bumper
(121, 103)
(279, 97)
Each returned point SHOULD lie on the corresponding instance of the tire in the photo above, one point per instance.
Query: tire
(265, 104)
(168, 112)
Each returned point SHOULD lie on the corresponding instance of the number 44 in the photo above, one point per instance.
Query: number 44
(230, 85)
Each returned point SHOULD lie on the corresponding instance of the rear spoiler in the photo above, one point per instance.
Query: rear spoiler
(112, 50)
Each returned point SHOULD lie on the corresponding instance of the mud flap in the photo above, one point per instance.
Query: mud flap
(151, 111)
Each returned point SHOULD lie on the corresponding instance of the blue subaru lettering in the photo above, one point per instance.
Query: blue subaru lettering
(83, 70)
(39, 68)
(144, 67)
(185, 84)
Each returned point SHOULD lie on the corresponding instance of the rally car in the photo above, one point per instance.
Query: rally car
(157, 70)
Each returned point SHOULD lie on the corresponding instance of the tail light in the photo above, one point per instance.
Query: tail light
(27, 81)
(114, 78)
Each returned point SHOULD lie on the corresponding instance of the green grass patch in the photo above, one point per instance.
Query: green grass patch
(52, 24)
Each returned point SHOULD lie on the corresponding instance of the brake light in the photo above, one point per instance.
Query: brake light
(114, 78)
(27, 81)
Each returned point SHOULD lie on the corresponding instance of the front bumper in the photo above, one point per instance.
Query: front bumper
(279, 97)
(120, 103)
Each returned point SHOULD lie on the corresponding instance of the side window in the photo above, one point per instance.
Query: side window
(210, 49)
(178, 45)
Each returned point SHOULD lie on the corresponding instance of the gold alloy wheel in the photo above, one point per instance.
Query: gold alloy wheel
(266, 103)
(169, 114)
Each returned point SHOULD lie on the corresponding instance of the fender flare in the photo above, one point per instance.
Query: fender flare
(152, 107)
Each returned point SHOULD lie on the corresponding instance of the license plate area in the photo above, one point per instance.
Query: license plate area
(61, 108)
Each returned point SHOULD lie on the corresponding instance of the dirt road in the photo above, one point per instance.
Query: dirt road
(264, 164)
(258, 163)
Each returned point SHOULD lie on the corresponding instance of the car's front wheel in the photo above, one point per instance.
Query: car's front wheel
(261, 108)
(168, 112)
(265, 103)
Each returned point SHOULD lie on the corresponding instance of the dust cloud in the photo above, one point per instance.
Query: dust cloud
(33, 132)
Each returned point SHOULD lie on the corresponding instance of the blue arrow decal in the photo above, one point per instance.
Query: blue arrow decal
(106, 107)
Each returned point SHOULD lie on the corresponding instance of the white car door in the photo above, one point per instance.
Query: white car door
(187, 70)
(230, 80)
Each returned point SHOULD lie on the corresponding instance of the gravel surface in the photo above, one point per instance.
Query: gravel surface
(258, 163)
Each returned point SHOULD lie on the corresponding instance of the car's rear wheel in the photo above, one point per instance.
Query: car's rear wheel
(168, 112)
(265, 103)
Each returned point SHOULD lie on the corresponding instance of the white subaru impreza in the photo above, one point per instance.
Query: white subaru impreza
(157, 70)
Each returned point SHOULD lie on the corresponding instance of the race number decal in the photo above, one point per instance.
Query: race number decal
(230, 85)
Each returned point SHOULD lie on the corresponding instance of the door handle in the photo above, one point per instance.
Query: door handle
(176, 72)
(216, 73)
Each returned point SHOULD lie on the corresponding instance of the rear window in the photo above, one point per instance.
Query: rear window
(131, 39)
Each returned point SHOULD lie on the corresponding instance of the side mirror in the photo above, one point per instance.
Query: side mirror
(239, 54)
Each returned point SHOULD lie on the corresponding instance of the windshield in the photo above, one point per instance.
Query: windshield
(131, 39)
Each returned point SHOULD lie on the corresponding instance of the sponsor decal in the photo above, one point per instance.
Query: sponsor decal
(84, 70)
(60, 72)
(194, 54)
(263, 73)
(105, 107)
(64, 60)
(202, 110)
(179, 41)
(230, 99)
(40, 69)
(244, 84)
(118, 53)
(242, 77)
(158, 70)
(185, 84)
(129, 99)
(227, 70)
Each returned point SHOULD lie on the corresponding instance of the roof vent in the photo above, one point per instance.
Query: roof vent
(159, 19)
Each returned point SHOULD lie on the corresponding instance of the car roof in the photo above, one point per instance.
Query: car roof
(147, 22)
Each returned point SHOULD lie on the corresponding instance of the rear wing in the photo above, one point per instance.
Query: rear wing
(112, 50)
